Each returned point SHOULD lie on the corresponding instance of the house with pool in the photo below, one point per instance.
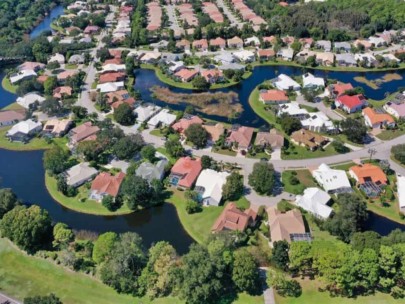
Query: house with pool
(185, 171)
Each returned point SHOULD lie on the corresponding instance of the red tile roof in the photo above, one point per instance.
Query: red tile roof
(111, 77)
(351, 101)
(232, 218)
(183, 124)
(273, 95)
(186, 74)
(60, 91)
(107, 183)
(189, 169)
(113, 61)
(242, 136)
(369, 172)
(340, 88)
(377, 118)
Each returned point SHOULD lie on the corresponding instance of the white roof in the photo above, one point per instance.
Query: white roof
(151, 56)
(292, 109)
(212, 182)
(25, 127)
(29, 99)
(244, 55)
(286, 53)
(314, 200)
(376, 40)
(144, 113)
(318, 120)
(110, 86)
(331, 179)
(21, 75)
(253, 39)
(284, 82)
(174, 65)
(370, 57)
(58, 58)
(163, 117)
(390, 57)
(78, 173)
(310, 80)
(113, 67)
(401, 190)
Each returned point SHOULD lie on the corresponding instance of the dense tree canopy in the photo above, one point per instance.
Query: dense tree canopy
(8, 200)
(262, 178)
(197, 135)
(233, 188)
(55, 160)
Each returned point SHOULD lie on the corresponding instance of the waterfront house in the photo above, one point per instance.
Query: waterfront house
(31, 66)
(351, 103)
(209, 186)
(22, 75)
(182, 125)
(23, 131)
(57, 127)
(163, 119)
(284, 82)
(265, 54)
(401, 192)
(370, 178)
(377, 120)
(395, 109)
(315, 201)
(287, 226)
(151, 171)
(273, 139)
(308, 139)
(286, 54)
(110, 87)
(185, 171)
(9, 118)
(213, 76)
(233, 219)
(312, 82)
(186, 75)
(332, 180)
(346, 59)
(214, 131)
(175, 66)
(338, 89)
(29, 99)
(81, 133)
(112, 77)
(106, 184)
(326, 59)
(240, 138)
(144, 113)
(80, 174)
(273, 97)
(367, 59)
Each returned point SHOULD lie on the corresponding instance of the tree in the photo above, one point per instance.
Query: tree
(126, 147)
(206, 162)
(350, 217)
(245, 272)
(8, 200)
(233, 189)
(148, 152)
(28, 228)
(124, 265)
(49, 85)
(300, 256)
(51, 106)
(155, 278)
(103, 54)
(283, 286)
(103, 246)
(80, 112)
(388, 262)
(197, 135)
(62, 235)
(200, 83)
(124, 115)
(51, 299)
(110, 203)
(289, 124)
(262, 178)
(55, 160)
(138, 193)
(192, 206)
(366, 239)
(353, 129)
(398, 152)
(280, 254)
(174, 147)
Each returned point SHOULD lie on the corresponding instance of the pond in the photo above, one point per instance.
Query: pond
(45, 24)
(24, 173)
(145, 79)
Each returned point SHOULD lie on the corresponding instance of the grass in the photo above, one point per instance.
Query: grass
(6, 84)
(13, 106)
(171, 159)
(225, 152)
(390, 134)
(389, 210)
(74, 203)
(260, 109)
(298, 152)
(345, 166)
(70, 66)
(258, 155)
(156, 132)
(305, 181)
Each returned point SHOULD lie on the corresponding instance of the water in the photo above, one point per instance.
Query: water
(145, 79)
(381, 224)
(45, 24)
(24, 173)
(6, 98)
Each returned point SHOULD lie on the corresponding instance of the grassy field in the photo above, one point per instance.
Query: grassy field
(74, 203)
(13, 106)
(6, 84)
(390, 134)
(304, 177)
(298, 152)
(225, 152)
(70, 66)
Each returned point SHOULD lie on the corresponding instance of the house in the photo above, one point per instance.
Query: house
(182, 125)
(390, 57)
(175, 66)
(376, 41)
(76, 59)
(252, 41)
(319, 122)
(360, 42)
(312, 82)
(342, 46)
(218, 43)
(33, 66)
(332, 180)
(232, 66)
(326, 45)
(115, 99)
(338, 89)
(80, 174)
(308, 139)
(326, 59)
(42, 78)
(111, 77)
(293, 109)
(160, 45)
(200, 45)
(163, 119)
(28, 99)
(9, 118)
(266, 54)
(401, 193)
(315, 201)
(110, 87)
(24, 130)
(106, 184)
(111, 67)
(152, 172)
(367, 59)
(212, 76)
(270, 40)
(351, 103)
(214, 131)
(286, 54)
(368, 173)
(25, 74)
(150, 57)
(395, 109)
(284, 82)
(287, 226)
(113, 62)
(306, 42)
(244, 56)
(59, 58)
(144, 113)
(183, 45)
(209, 186)
(57, 127)
(186, 75)
(61, 92)
(63, 76)
(240, 138)
(235, 43)
(271, 139)
(273, 97)
(91, 30)
(185, 171)
(83, 132)
(233, 219)
(346, 59)
(374, 119)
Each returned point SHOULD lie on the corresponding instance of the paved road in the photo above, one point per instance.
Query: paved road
(171, 13)
(320, 106)
(6, 299)
(392, 48)
(229, 14)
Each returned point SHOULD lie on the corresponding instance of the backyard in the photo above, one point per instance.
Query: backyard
(303, 177)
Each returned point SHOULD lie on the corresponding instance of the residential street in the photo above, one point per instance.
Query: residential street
(229, 14)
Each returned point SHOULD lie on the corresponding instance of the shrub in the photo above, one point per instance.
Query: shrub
(193, 207)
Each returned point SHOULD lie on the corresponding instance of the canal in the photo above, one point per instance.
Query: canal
(45, 24)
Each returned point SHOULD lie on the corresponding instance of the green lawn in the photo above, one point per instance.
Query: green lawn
(298, 152)
(6, 84)
(70, 66)
(156, 132)
(13, 106)
(259, 108)
(74, 203)
(343, 166)
(304, 177)
(225, 152)
(390, 134)
(171, 159)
